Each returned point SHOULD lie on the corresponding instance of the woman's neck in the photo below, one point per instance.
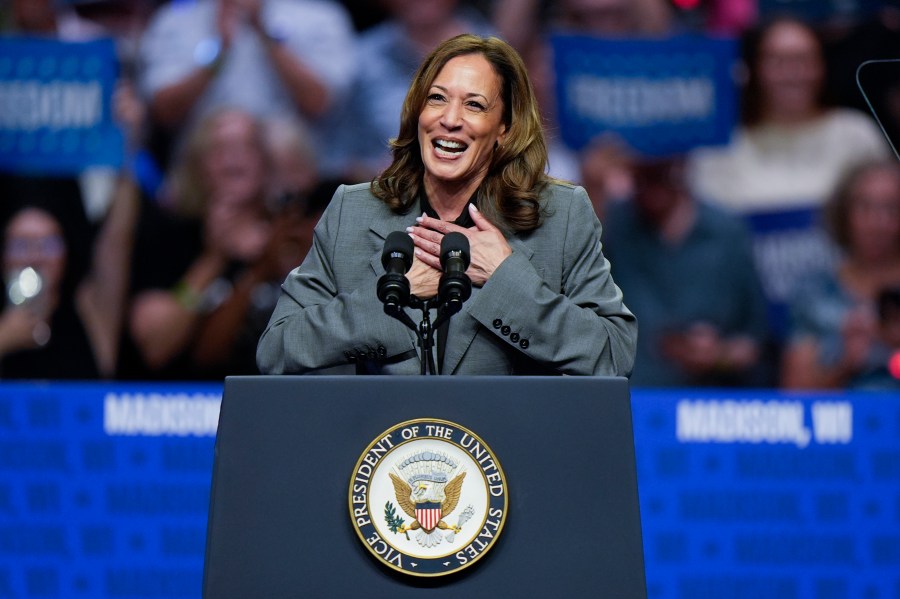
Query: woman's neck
(791, 117)
(449, 200)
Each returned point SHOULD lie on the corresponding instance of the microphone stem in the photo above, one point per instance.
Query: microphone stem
(425, 330)
(426, 340)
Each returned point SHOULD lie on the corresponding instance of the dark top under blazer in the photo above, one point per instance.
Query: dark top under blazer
(549, 308)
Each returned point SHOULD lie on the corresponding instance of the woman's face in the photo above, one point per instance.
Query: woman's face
(791, 70)
(234, 164)
(35, 239)
(874, 216)
(461, 122)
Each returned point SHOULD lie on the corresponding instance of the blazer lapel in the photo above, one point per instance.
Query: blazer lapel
(383, 228)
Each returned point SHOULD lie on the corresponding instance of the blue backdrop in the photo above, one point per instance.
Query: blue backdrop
(104, 491)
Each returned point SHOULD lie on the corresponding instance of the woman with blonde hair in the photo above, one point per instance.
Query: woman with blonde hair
(213, 232)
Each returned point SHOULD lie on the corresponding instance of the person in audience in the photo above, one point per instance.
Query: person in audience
(205, 257)
(268, 57)
(64, 296)
(226, 340)
(785, 158)
(834, 338)
(687, 272)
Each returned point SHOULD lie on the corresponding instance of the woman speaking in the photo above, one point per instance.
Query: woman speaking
(470, 158)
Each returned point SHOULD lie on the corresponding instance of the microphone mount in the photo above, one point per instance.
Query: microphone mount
(454, 288)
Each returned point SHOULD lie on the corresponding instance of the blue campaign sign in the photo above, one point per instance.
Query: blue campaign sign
(661, 97)
(55, 106)
(788, 245)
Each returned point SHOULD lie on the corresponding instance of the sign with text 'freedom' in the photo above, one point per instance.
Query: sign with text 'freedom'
(661, 97)
(55, 106)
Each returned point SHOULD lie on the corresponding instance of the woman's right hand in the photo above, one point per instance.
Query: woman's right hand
(423, 279)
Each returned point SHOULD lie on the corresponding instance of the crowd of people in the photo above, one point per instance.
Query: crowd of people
(772, 261)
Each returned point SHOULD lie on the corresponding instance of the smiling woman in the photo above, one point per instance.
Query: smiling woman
(470, 158)
(459, 127)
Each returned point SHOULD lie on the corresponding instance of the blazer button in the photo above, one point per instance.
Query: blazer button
(371, 354)
(497, 323)
(505, 330)
(514, 337)
(360, 354)
(382, 351)
(524, 343)
(351, 357)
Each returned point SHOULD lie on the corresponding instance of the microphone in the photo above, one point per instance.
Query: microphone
(455, 287)
(396, 258)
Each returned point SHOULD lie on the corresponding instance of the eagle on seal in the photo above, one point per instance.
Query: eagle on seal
(427, 497)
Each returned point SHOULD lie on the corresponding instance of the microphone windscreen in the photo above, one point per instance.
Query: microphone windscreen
(398, 245)
(455, 242)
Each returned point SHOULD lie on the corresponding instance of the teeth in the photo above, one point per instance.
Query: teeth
(449, 145)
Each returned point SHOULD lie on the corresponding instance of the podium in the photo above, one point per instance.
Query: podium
(286, 449)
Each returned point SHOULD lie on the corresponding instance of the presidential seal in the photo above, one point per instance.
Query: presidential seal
(428, 497)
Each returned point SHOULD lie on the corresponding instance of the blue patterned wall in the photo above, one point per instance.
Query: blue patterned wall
(104, 491)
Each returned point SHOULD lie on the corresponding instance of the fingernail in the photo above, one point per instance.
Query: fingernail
(409, 229)
(419, 219)
(473, 207)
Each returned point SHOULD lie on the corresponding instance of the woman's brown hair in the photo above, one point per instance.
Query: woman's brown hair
(509, 194)
(752, 96)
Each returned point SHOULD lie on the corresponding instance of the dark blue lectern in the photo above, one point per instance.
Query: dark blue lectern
(279, 524)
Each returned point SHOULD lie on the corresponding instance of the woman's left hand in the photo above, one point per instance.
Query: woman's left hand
(487, 246)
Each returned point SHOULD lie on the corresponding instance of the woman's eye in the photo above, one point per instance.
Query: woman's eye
(476, 106)
(435, 98)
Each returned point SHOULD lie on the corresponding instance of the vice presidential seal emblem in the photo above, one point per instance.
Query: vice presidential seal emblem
(428, 497)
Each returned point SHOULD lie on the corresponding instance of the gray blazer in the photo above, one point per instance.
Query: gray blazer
(550, 308)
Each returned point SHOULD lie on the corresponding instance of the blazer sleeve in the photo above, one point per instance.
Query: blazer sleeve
(581, 327)
(314, 325)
